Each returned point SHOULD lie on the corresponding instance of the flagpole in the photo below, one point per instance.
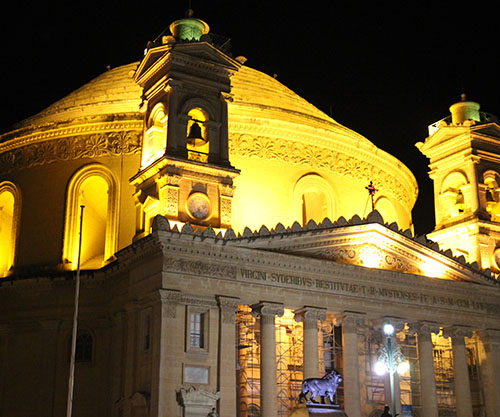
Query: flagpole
(71, 381)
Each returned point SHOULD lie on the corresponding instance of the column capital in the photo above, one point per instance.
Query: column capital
(457, 332)
(169, 299)
(227, 302)
(424, 328)
(228, 306)
(265, 308)
(308, 314)
(490, 339)
(351, 321)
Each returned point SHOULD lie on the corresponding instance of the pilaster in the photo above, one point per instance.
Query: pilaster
(226, 384)
(167, 343)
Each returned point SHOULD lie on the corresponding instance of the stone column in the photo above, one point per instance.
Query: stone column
(268, 371)
(352, 322)
(310, 316)
(489, 357)
(460, 369)
(226, 384)
(426, 364)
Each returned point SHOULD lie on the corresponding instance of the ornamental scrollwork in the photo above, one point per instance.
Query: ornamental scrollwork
(200, 268)
(69, 148)
(315, 157)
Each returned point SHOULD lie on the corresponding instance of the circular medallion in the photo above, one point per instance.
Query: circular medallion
(198, 206)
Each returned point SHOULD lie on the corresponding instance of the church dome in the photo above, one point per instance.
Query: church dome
(295, 162)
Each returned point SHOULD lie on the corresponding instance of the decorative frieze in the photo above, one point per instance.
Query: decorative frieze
(319, 158)
(200, 268)
(72, 147)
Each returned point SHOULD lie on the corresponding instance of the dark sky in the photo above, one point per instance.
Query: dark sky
(384, 69)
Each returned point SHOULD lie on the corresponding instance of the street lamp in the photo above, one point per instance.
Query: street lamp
(391, 360)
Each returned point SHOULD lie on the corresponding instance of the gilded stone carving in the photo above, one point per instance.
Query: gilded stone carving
(226, 210)
(200, 268)
(316, 157)
(68, 148)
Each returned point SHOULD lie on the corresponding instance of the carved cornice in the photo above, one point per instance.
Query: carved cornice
(69, 148)
(216, 270)
(317, 157)
(310, 315)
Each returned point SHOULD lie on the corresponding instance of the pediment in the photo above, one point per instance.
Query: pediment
(206, 52)
(184, 54)
(152, 56)
(376, 246)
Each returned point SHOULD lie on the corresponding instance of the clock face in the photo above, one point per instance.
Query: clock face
(198, 206)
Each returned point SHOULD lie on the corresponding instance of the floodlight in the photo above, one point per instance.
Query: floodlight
(388, 329)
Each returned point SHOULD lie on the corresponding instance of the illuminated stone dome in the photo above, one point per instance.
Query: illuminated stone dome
(296, 164)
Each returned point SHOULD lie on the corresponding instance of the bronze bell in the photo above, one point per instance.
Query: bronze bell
(195, 138)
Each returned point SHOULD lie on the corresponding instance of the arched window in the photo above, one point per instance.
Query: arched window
(313, 199)
(491, 179)
(453, 201)
(84, 348)
(386, 209)
(197, 135)
(10, 204)
(153, 146)
(94, 187)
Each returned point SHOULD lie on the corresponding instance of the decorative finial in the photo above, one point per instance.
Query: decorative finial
(189, 12)
(463, 97)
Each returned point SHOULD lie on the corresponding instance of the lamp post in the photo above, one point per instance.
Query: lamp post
(391, 360)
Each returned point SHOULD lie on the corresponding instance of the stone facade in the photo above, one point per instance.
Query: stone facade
(223, 279)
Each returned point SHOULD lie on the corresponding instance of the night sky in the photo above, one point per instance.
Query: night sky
(384, 69)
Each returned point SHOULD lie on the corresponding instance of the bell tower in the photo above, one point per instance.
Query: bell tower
(464, 153)
(185, 172)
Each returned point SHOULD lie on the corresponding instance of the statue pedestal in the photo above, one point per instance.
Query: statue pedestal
(317, 410)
